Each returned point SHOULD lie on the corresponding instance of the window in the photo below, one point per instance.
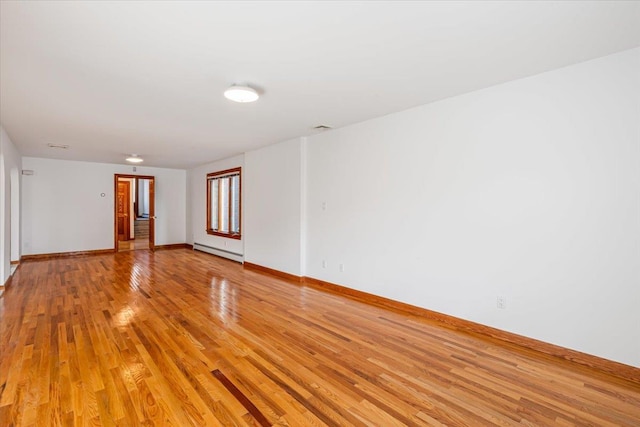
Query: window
(223, 203)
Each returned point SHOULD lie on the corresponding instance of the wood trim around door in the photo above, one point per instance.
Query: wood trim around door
(152, 207)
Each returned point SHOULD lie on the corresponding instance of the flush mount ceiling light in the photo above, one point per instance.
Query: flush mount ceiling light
(241, 93)
(134, 159)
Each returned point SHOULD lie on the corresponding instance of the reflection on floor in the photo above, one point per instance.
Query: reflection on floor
(133, 245)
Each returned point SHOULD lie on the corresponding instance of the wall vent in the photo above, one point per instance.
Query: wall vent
(61, 146)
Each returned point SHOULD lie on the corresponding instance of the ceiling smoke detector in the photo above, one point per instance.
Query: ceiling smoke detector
(322, 127)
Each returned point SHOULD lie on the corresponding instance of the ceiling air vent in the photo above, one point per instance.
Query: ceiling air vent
(322, 127)
(61, 146)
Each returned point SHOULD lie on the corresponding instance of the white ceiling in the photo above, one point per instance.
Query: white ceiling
(110, 78)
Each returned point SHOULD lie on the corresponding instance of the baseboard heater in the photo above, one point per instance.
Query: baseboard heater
(219, 252)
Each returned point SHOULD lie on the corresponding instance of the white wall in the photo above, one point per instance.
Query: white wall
(15, 173)
(63, 209)
(272, 187)
(197, 188)
(5, 225)
(10, 169)
(528, 190)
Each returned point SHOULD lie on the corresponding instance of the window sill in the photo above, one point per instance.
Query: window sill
(227, 235)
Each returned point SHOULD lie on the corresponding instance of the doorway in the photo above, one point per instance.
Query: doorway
(134, 225)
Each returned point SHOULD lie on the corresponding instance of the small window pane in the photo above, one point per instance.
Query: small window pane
(213, 186)
(224, 205)
(235, 204)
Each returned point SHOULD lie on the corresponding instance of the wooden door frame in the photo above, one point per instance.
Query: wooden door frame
(135, 198)
(152, 208)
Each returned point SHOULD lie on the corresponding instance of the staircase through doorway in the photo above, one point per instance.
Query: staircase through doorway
(141, 236)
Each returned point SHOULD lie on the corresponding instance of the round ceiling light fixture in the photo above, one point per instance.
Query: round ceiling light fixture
(134, 159)
(241, 93)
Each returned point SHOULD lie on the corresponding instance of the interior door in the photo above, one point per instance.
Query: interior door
(123, 211)
(152, 214)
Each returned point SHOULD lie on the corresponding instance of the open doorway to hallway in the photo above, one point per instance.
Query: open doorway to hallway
(134, 212)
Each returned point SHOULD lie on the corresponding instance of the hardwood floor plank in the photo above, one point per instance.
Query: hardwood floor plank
(240, 396)
(131, 338)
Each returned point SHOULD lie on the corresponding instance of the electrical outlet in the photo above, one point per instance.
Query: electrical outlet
(324, 263)
(501, 302)
(341, 267)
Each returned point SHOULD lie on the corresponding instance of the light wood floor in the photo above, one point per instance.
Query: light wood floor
(184, 338)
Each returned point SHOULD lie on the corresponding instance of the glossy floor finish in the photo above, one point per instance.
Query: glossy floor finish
(133, 245)
(184, 338)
